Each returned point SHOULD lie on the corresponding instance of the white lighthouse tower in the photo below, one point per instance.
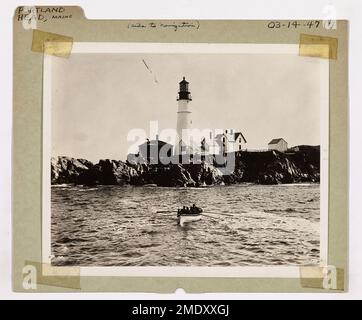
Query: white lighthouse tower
(184, 122)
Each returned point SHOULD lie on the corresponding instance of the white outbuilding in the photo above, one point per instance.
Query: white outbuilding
(278, 144)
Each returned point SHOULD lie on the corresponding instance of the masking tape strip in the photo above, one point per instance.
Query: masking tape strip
(65, 277)
(329, 277)
(318, 46)
(51, 43)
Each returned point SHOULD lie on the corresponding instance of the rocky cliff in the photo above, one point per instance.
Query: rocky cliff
(270, 167)
(67, 170)
(108, 172)
(273, 167)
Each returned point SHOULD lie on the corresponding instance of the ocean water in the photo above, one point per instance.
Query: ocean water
(247, 225)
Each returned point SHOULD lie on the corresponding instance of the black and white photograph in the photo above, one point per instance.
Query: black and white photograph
(202, 153)
(180, 155)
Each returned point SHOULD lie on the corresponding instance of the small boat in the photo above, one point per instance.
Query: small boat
(186, 215)
(185, 218)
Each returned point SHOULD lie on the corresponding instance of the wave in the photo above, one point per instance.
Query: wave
(302, 184)
(63, 185)
(144, 236)
(83, 189)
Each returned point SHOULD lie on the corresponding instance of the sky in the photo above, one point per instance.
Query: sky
(98, 98)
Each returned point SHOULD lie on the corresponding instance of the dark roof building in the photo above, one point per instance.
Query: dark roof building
(276, 141)
(155, 151)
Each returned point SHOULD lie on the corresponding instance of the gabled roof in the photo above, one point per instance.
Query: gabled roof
(239, 134)
(220, 135)
(277, 140)
(154, 143)
(234, 136)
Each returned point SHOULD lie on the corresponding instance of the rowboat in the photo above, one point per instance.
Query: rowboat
(185, 218)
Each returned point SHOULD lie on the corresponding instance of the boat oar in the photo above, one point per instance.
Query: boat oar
(203, 214)
(221, 214)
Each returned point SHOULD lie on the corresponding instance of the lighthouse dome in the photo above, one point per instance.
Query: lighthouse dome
(183, 80)
(184, 93)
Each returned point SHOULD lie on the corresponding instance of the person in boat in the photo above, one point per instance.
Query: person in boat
(182, 211)
(195, 210)
(189, 210)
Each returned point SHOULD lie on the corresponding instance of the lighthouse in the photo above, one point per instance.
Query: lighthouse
(184, 121)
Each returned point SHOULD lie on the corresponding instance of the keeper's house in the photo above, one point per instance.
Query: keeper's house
(278, 144)
(230, 141)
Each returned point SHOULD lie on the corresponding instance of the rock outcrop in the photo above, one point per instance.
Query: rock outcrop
(108, 172)
(269, 167)
(170, 175)
(67, 170)
(204, 174)
(273, 167)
